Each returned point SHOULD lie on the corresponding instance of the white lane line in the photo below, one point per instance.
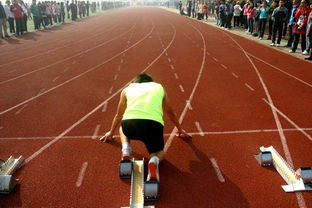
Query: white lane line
(296, 78)
(123, 55)
(200, 130)
(174, 130)
(119, 67)
(225, 67)
(104, 107)
(166, 54)
(169, 59)
(171, 66)
(20, 110)
(96, 131)
(74, 125)
(68, 58)
(121, 61)
(215, 59)
(78, 76)
(189, 105)
(234, 75)
(217, 170)
(56, 78)
(208, 53)
(66, 69)
(81, 174)
(288, 119)
(115, 77)
(181, 88)
(176, 76)
(41, 91)
(111, 90)
(88, 137)
(249, 87)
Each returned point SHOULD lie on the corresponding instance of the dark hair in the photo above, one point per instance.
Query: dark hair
(143, 78)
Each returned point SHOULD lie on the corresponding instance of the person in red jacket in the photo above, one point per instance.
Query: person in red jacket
(17, 11)
(300, 24)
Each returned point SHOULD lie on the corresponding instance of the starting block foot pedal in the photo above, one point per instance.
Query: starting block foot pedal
(264, 158)
(151, 189)
(7, 184)
(125, 169)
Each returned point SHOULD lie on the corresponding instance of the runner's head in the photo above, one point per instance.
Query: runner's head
(143, 78)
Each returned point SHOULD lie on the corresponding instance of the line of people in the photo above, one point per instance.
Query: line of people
(256, 17)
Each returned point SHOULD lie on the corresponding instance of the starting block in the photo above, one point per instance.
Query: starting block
(138, 188)
(301, 180)
(7, 168)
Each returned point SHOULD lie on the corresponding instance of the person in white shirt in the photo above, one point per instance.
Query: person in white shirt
(237, 12)
(10, 16)
(3, 20)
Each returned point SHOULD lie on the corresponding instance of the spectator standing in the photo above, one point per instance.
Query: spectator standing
(74, 10)
(229, 13)
(279, 17)
(300, 23)
(291, 23)
(205, 10)
(237, 13)
(3, 20)
(222, 13)
(16, 9)
(264, 11)
(25, 17)
(62, 13)
(245, 9)
(35, 11)
(309, 35)
(257, 18)
(10, 16)
(250, 17)
(87, 8)
(270, 17)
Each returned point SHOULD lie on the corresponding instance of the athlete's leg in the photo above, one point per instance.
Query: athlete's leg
(126, 146)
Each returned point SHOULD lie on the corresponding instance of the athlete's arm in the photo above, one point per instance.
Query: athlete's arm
(122, 105)
(170, 112)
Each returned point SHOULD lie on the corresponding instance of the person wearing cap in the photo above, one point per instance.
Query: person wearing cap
(140, 112)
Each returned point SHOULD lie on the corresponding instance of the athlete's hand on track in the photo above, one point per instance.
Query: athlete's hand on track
(107, 137)
(183, 135)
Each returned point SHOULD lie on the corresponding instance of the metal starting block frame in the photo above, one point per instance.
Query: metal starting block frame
(7, 168)
(137, 185)
(301, 180)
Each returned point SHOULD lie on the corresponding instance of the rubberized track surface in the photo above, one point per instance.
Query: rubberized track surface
(59, 91)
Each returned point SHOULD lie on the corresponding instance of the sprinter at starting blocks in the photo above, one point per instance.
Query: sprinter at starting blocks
(140, 112)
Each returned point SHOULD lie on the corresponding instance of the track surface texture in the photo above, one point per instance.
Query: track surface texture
(59, 90)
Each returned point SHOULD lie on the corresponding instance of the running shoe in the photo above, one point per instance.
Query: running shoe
(305, 52)
(153, 171)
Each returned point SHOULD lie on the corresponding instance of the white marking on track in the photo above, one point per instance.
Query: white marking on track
(20, 110)
(124, 54)
(176, 76)
(217, 170)
(119, 67)
(171, 66)
(66, 69)
(208, 53)
(215, 59)
(88, 137)
(249, 87)
(1, 127)
(166, 54)
(41, 91)
(288, 119)
(111, 90)
(96, 131)
(169, 59)
(115, 77)
(104, 107)
(188, 103)
(225, 67)
(200, 130)
(56, 78)
(181, 88)
(121, 61)
(81, 174)
(234, 75)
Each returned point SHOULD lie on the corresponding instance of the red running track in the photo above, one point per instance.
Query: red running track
(232, 94)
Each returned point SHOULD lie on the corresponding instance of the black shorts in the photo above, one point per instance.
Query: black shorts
(150, 132)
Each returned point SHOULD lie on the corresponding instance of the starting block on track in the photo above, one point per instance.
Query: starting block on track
(7, 168)
(138, 186)
(301, 180)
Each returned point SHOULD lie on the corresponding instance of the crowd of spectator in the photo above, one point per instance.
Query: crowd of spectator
(15, 14)
(277, 19)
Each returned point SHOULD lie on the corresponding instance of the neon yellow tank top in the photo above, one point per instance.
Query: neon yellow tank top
(144, 101)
